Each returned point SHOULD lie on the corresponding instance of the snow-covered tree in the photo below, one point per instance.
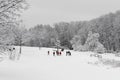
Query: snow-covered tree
(76, 43)
(42, 35)
(92, 43)
(6, 35)
(20, 36)
(10, 11)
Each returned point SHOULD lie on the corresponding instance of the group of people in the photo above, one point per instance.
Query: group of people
(59, 53)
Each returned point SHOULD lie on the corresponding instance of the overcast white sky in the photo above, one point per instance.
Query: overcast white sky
(52, 11)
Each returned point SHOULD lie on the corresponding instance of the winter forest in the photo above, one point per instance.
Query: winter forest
(99, 33)
(72, 49)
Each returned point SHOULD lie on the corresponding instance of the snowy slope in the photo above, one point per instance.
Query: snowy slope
(35, 64)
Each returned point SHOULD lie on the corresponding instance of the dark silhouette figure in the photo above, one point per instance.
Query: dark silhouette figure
(53, 53)
(68, 53)
(62, 49)
(48, 52)
(13, 48)
(57, 52)
(60, 53)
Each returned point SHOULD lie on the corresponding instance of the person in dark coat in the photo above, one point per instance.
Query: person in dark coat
(68, 53)
(62, 49)
(53, 53)
(48, 52)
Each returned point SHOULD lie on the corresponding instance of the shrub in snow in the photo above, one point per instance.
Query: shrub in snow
(117, 55)
(95, 55)
(100, 48)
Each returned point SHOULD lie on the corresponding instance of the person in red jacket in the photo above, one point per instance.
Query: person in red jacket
(60, 53)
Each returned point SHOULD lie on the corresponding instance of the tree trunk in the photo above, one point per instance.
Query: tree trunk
(20, 47)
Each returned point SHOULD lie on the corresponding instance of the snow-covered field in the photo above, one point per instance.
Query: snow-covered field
(35, 64)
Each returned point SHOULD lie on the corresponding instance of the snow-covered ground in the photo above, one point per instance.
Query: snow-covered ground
(35, 64)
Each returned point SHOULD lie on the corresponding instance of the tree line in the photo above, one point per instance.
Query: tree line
(72, 35)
